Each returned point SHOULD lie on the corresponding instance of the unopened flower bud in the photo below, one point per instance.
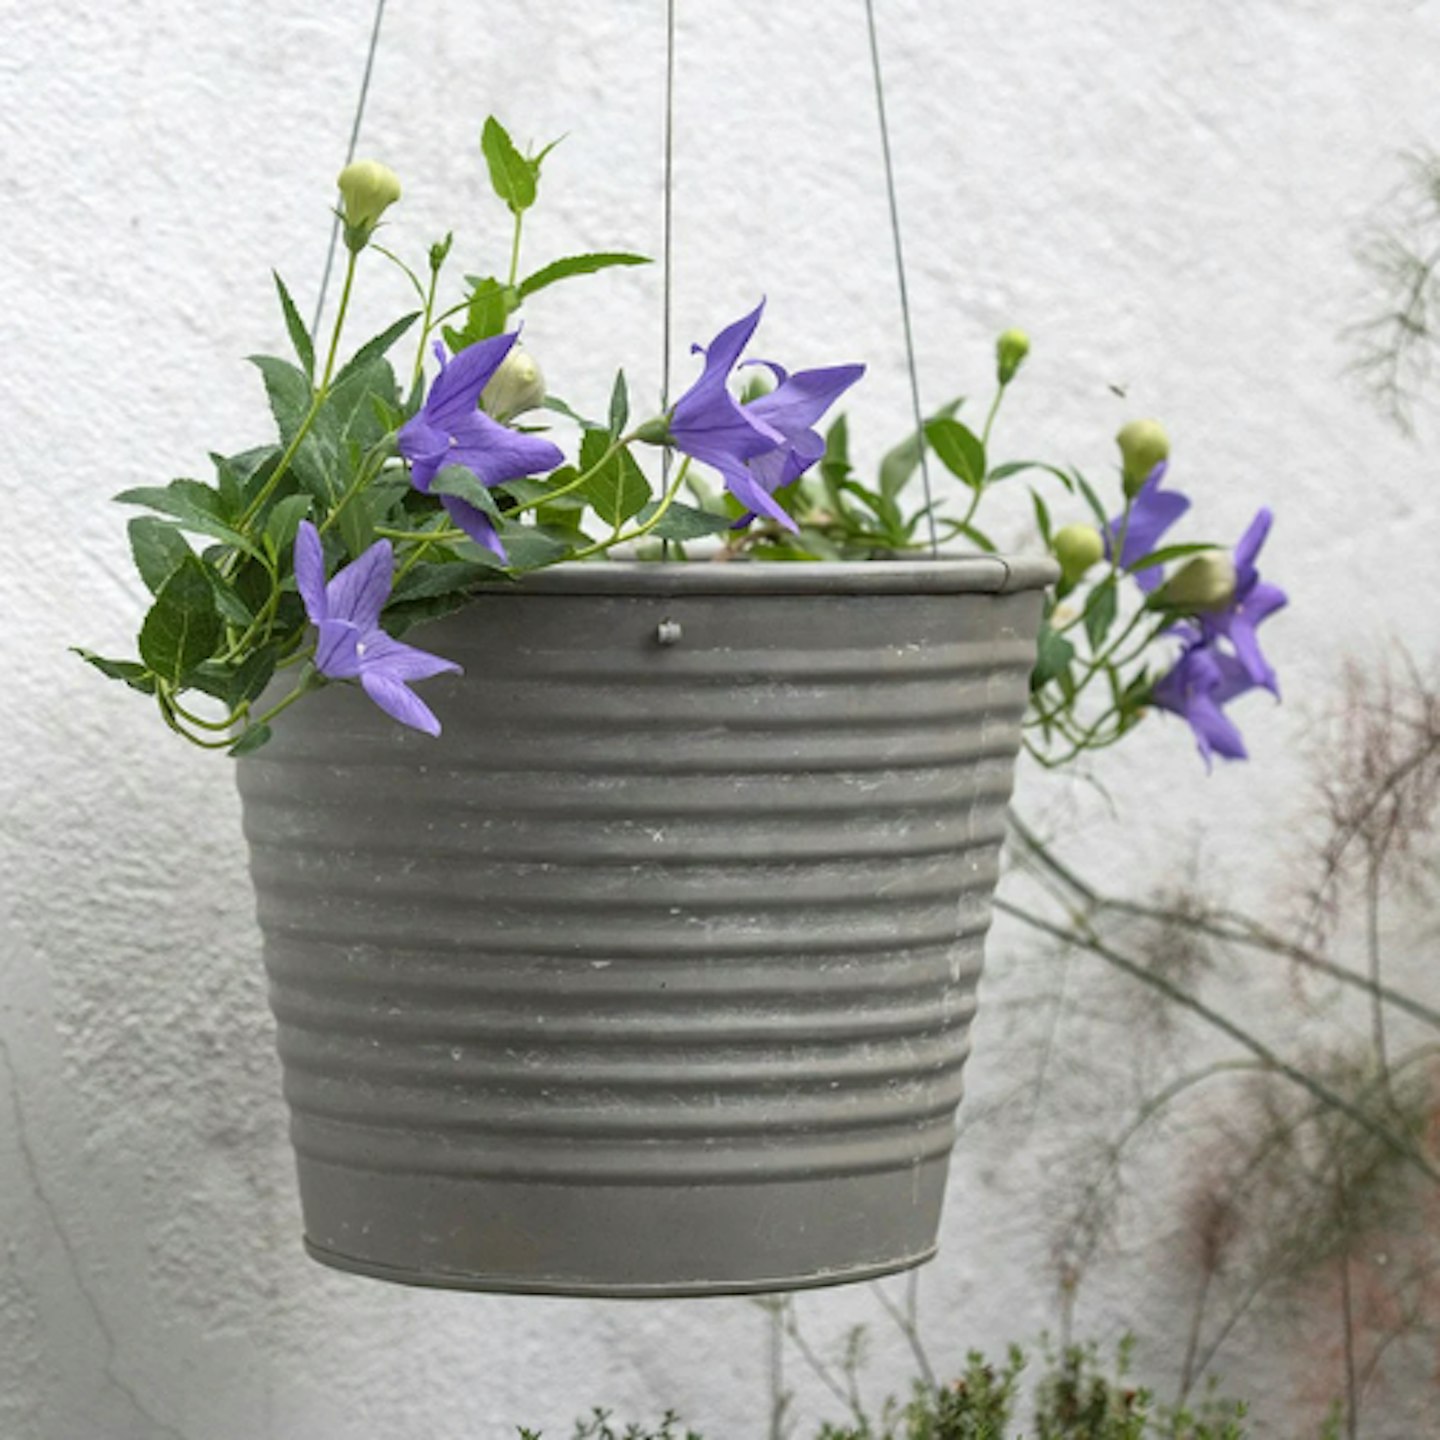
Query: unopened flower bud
(1010, 350)
(1143, 445)
(517, 386)
(654, 432)
(1204, 583)
(1077, 548)
(367, 190)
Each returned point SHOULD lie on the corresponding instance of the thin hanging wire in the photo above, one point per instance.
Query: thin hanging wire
(666, 229)
(900, 276)
(349, 156)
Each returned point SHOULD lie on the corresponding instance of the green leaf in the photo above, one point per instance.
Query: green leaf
(250, 678)
(158, 547)
(456, 480)
(1053, 656)
(1100, 607)
(530, 548)
(134, 674)
(683, 522)
(619, 405)
(195, 505)
(486, 314)
(377, 347)
(230, 606)
(618, 489)
(357, 529)
(1042, 517)
(1092, 500)
(288, 391)
(251, 739)
(284, 520)
(577, 265)
(903, 461)
(299, 335)
(512, 176)
(958, 449)
(552, 402)
(182, 629)
(425, 581)
(1165, 555)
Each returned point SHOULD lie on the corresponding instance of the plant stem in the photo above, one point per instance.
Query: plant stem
(515, 248)
(640, 531)
(572, 485)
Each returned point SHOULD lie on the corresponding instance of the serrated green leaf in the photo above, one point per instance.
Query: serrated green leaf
(288, 390)
(284, 519)
(486, 314)
(251, 739)
(456, 480)
(158, 547)
(357, 530)
(618, 489)
(903, 461)
(377, 346)
(512, 176)
(183, 628)
(619, 405)
(577, 265)
(250, 678)
(683, 522)
(299, 335)
(230, 606)
(195, 505)
(531, 548)
(455, 575)
(134, 674)
(1100, 609)
(958, 449)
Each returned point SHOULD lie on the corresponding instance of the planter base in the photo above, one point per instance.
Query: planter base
(623, 1240)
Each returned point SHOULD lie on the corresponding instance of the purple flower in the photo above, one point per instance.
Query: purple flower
(760, 447)
(351, 644)
(1202, 680)
(450, 429)
(1152, 512)
(1254, 600)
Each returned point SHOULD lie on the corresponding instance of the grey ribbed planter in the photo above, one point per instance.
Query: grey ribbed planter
(654, 974)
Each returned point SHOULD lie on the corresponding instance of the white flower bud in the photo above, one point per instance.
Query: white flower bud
(517, 386)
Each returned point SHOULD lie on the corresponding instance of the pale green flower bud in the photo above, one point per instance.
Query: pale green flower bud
(1010, 350)
(1205, 582)
(517, 386)
(367, 190)
(1143, 445)
(1077, 548)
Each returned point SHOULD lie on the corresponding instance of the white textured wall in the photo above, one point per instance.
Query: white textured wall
(1166, 196)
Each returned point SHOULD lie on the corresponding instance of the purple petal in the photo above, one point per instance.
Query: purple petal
(475, 523)
(425, 447)
(457, 387)
(804, 398)
(727, 347)
(1213, 730)
(399, 702)
(780, 373)
(335, 649)
(1251, 541)
(495, 453)
(381, 654)
(310, 571)
(358, 592)
(753, 496)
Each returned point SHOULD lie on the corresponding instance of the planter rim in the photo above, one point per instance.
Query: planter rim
(969, 574)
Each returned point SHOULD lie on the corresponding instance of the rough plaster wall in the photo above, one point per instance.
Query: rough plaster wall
(1166, 196)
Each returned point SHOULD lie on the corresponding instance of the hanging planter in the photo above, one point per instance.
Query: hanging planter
(656, 975)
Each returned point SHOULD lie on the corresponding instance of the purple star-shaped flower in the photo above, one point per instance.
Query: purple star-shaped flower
(1200, 683)
(450, 429)
(760, 447)
(351, 644)
(1254, 600)
(1152, 512)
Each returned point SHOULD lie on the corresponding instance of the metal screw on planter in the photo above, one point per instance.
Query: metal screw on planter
(654, 976)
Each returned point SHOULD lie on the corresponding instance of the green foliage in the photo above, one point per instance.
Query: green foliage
(1074, 1398)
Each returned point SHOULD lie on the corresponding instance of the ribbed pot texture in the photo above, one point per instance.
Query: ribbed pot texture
(654, 974)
